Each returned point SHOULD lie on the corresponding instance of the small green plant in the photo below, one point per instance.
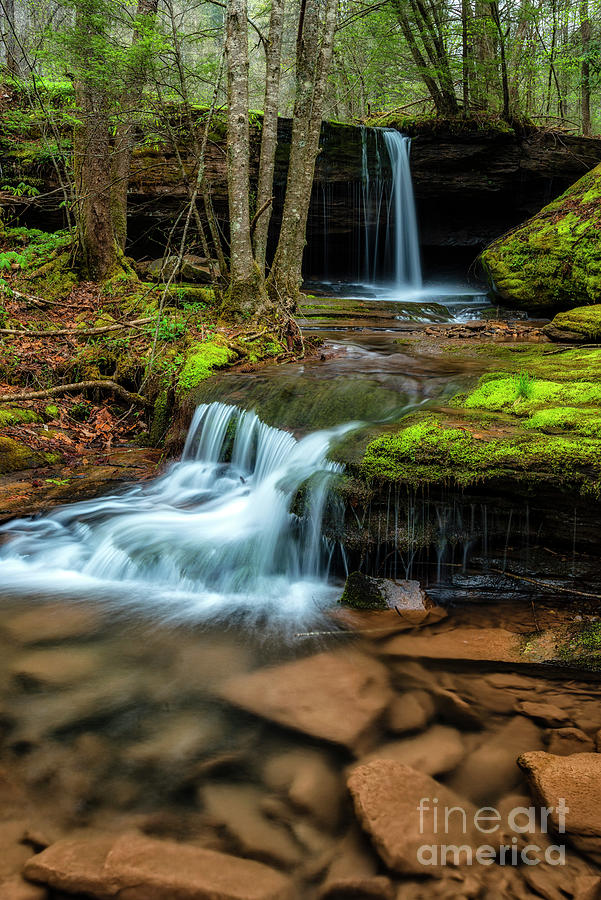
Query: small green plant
(168, 330)
(60, 482)
(80, 411)
(10, 257)
(524, 384)
(21, 190)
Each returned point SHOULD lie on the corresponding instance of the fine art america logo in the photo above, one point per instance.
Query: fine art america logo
(512, 835)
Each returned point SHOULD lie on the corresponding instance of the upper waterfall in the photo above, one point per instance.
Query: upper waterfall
(387, 184)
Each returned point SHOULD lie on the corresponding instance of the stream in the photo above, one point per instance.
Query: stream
(174, 663)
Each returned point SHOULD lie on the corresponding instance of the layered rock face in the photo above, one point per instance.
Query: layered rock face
(553, 260)
(471, 184)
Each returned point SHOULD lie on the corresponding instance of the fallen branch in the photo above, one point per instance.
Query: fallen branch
(259, 213)
(126, 395)
(545, 584)
(74, 332)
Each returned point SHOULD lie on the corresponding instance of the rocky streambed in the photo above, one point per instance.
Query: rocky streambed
(148, 761)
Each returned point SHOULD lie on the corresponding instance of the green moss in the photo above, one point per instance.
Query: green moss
(566, 418)
(52, 411)
(503, 393)
(362, 592)
(429, 452)
(160, 419)
(552, 261)
(583, 647)
(16, 416)
(583, 321)
(201, 361)
(15, 456)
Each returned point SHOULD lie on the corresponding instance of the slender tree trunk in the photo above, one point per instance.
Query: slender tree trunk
(126, 130)
(92, 151)
(269, 134)
(313, 59)
(10, 37)
(585, 74)
(246, 283)
(494, 10)
(465, 55)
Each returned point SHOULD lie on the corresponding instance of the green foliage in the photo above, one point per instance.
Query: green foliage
(524, 384)
(21, 190)
(17, 416)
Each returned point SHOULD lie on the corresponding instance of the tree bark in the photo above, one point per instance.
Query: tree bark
(585, 73)
(269, 133)
(313, 61)
(125, 132)
(245, 290)
(10, 38)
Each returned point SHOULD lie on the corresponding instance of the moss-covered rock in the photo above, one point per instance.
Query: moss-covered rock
(552, 261)
(579, 325)
(17, 416)
(15, 456)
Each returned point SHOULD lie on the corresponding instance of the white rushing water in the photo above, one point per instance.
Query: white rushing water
(395, 248)
(213, 539)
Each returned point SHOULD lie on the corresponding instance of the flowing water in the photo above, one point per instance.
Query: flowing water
(215, 534)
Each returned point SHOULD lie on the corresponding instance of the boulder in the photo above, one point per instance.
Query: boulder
(576, 326)
(553, 260)
(364, 592)
(337, 697)
(387, 797)
(193, 268)
(577, 780)
(141, 868)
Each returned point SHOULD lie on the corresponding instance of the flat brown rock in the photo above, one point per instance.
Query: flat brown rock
(459, 643)
(387, 796)
(142, 868)
(577, 780)
(49, 623)
(333, 696)
(435, 751)
(56, 668)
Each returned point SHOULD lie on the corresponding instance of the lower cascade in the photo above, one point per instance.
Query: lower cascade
(214, 537)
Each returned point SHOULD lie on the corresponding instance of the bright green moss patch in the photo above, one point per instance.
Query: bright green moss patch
(429, 452)
(503, 393)
(16, 416)
(552, 261)
(584, 421)
(201, 361)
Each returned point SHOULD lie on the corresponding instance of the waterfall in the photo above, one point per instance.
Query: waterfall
(233, 529)
(389, 186)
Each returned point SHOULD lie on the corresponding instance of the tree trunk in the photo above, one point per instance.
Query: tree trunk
(585, 74)
(10, 38)
(494, 11)
(313, 61)
(92, 148)
(246, 292)
(465, 55)
(269, 134)
(125, 132)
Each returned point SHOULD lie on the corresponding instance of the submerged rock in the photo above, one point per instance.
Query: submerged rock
(552, 261)
(145, 869)
(576, 780)
(387, 797)
(436, 751)
(334, 696)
